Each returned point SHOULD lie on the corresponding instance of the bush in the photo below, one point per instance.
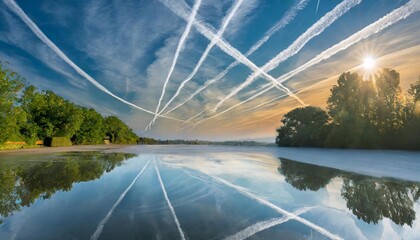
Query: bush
(57, 141)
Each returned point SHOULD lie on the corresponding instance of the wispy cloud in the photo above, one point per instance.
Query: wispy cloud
(35, 29)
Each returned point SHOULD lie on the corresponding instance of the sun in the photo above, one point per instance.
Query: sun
(369, 63)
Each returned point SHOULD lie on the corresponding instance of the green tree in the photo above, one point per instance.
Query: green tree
(10, 115)
(91, 130)
(352, 106)
(118, 131)
(50, 114)
(305, 126)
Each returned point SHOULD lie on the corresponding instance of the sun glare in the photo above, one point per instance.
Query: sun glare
(368, 63)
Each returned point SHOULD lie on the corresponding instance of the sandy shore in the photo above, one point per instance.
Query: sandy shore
(75, 148)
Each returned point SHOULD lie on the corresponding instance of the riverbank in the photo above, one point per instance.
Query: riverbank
(74, 148)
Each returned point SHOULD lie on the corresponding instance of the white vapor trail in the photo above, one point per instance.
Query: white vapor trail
(286, 19)
(317, 7)
(180, 8)
(35, 29)
(181, 233)
(177, 51)
(265, 202)
(316, 29)
(213, 41)
(261, 226)
(101, 225)
(384, 22)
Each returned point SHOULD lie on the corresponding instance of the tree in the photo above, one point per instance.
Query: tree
(352, 106)
(118, 131)
(51, 114)
(91, 130)
(304, 176)
(305, 126)
(10, 114)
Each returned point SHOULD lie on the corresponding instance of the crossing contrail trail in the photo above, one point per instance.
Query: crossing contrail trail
(316, 29)
(261, 226)
(181, 233)
(219, 34)
(177, 51)
(101, 225)
(286, 19)
(391, 18)
(37, 31)
(265, 202)
(180, 8)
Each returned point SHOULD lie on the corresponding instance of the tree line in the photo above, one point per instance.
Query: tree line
(372, 113)
(28, 115)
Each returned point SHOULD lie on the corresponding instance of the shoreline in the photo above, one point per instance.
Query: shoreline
(74, 148)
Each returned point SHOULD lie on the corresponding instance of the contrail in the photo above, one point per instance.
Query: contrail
(236, 105)
(317, 7)
(177, 51)
(35, 29)
(101, 225)
(281, 96)
(265, 202)
(261, 226)
(296, 46)
(181, 233)
(286, 19)
(384, 22)
(219, 34)
(209, 32)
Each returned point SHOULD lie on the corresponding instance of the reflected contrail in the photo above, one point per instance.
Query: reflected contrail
(316, 29)
(213, 41)
(35, 29)
(261, 226)
(384, 22)
(180, 8)
(101, 225)
(177, 51)
(286, 19)
(261, 200)
(181, 233)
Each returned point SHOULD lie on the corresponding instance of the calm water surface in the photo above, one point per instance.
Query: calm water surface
(187, 192)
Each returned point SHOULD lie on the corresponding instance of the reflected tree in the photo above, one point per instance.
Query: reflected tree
(23, 185)
(305, 176)
(370, 199)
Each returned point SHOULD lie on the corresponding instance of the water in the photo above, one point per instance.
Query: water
(201, 192)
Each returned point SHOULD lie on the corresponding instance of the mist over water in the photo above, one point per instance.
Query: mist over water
(204, 192)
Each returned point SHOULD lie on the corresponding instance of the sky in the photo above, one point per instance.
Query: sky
(204, 69)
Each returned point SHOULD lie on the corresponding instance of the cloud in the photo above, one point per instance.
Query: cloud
(16, 9)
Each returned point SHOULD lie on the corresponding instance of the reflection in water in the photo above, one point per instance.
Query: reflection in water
(21, 185)
(369, 198)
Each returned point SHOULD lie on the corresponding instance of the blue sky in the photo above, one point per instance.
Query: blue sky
(127, 49)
